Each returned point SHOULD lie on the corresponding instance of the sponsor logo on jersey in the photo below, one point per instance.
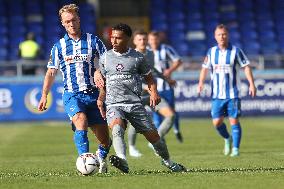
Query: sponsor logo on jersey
(119, 67)
(77, 58)
(120, 76)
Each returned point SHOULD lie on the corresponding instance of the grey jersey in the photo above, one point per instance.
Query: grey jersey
(123, 76)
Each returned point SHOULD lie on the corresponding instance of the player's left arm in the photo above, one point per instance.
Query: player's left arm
(154, 96)
(249, 76)
(244, 63)
(176, 61)
(175, 65)
(158, 74)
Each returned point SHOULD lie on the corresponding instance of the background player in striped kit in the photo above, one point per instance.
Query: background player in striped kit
(166, 61)
(224, 61)
(74, 55)
(163, 108)
(123, 67)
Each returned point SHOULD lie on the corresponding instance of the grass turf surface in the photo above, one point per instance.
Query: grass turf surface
(42, 155)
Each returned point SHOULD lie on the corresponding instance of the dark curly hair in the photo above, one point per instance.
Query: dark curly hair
(124, 28)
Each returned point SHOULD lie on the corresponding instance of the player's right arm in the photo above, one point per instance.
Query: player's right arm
(48, 82)
(203, 74)
(52, 68)
(154, 96)
(252, 88)
(202, 78)
(158, 74)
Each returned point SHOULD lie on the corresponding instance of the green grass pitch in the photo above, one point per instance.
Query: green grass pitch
(42, 155)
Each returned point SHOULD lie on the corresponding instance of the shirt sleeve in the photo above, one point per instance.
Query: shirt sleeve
(99, 46)
(242, 58)
(53, 61)
(174, 56)
(102, 61)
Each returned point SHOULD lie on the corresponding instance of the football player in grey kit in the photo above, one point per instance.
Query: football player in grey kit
(123, 67)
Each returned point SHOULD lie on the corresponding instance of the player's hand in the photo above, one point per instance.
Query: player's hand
(42, 103)
(101, 107)
(172, 82)
(252, 90)
(167, 73)
(199, 88)
(155, 99)
(99, 80)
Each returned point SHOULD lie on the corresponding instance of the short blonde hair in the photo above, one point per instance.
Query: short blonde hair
(73, 8)
(221, 26)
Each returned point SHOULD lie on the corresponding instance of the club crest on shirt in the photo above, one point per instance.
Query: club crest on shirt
(119, 67)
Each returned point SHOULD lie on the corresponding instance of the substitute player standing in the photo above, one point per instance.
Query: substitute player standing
(140, 39)
(123, 67)
(224, 61)
(74, 56)
(166, 61)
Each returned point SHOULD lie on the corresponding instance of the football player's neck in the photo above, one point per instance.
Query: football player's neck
(223, 46)
(75, 36)
(141, 49)
(122, 50)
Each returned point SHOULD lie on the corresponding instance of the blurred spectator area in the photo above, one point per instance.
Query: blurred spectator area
(256, 26)
(17, 17)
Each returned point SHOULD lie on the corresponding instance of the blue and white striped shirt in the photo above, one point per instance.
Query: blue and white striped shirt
(224, 66)
(162, 57)
(75, 59)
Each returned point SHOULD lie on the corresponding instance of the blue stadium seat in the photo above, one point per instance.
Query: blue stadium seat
(175, 16)
(3, 53)
(160, 16)
(176, 37)
(251, 47)
(33, 7)
(3, 30)
(245, 5)
(176, 6)
(196, 15)
(3, 40)
(35, 27)
(158, 5)
(194, 25)
(182, 48)
(197, 47)
(269, 48)
(251, 23)
(178, 26)
(159, 26)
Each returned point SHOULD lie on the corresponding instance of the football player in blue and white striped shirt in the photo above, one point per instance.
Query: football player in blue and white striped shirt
(224, 61)
(74, 55)
(166, 61)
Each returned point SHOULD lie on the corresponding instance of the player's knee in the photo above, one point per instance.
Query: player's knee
(233, 121)
(217, 122)
(117, 131)
(80, 121)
